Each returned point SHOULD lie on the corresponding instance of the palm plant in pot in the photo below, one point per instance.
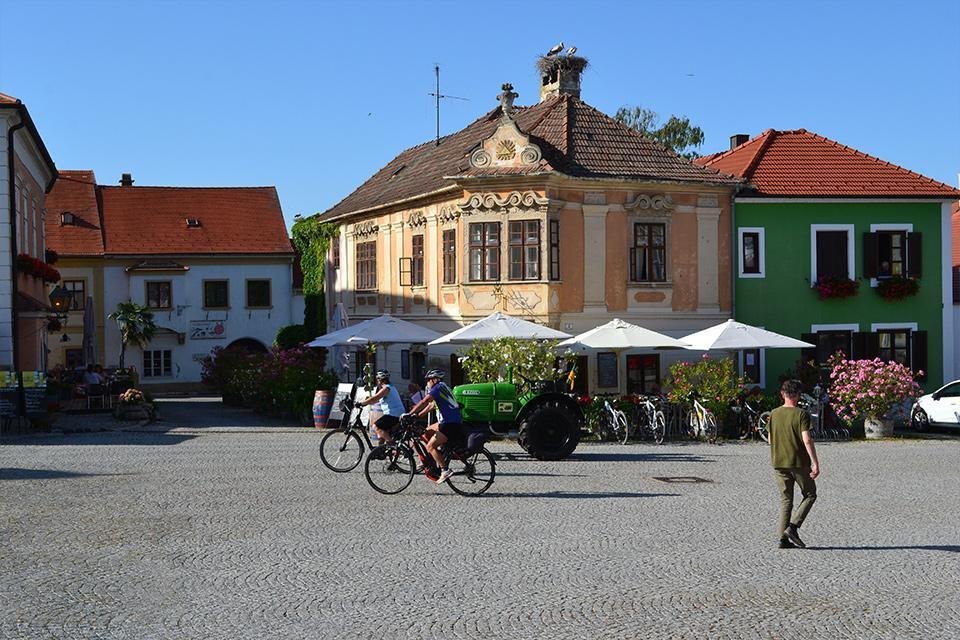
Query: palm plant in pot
(872, 390)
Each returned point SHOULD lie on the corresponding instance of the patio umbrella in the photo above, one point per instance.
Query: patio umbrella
(500, 325)
(732, 336)
(89, 333)
(384, 329)
(338, 355)
(618, 335)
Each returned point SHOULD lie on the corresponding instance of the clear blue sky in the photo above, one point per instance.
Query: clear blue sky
(314, 97)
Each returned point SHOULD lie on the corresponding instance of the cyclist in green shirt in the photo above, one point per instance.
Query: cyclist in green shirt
(794, 459)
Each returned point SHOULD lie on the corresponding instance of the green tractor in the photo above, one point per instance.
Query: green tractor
(545, 420)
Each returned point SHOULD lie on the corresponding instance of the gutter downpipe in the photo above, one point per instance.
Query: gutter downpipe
(14, 321)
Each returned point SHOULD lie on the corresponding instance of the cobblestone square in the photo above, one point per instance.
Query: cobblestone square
(192, 534)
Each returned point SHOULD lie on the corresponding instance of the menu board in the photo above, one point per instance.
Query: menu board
(344, 390)
(607, 370)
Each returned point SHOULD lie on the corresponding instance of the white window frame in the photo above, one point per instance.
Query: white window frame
(762, 383)
(761, 252)
(162, 374)
(817, 328)
(910, 326)
(892, 226)
(851, 248)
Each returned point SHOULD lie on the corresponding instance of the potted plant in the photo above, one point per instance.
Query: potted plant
(872, 390)
(134, 404)
(835, 287)
(897, 288)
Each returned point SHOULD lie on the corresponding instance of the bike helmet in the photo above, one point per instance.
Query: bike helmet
(434, 373)
(383, 374)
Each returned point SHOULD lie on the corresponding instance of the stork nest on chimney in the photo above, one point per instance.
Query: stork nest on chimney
(548, 64)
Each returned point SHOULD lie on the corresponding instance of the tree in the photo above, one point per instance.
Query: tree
(136, 326)
(676, 133)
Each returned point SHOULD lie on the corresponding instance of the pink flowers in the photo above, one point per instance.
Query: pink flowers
(862, 388)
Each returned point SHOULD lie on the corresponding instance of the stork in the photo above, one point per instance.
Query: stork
(557, 49)
(571, 51)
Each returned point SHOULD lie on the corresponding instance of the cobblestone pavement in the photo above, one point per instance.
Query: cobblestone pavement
(246, 535)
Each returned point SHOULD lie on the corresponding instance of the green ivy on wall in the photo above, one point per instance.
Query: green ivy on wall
(311, 238)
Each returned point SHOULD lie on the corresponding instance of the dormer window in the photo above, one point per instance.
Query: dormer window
(67, 218)
(193, 223)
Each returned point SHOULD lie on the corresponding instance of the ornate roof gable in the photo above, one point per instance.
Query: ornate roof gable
(508, 147)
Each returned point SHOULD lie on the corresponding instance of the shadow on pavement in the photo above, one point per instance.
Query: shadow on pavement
(46, 474)
(100, 438)
(577, 495)
(637, 457)
(952, 548)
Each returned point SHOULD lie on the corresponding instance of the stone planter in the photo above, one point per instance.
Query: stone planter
(875, 428)
(132, 412)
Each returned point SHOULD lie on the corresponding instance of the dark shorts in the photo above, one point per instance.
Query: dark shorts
(452, 430)
(387, 423)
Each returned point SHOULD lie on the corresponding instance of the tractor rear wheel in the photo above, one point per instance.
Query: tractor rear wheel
(549, 432)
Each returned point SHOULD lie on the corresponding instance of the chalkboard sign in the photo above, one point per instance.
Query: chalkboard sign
(344, 389)
(607, 370)
(33, 399)
(8, 403)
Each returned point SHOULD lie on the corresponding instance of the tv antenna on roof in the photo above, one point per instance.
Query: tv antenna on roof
(438, 96)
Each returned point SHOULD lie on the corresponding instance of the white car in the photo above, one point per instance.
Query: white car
(940, 408)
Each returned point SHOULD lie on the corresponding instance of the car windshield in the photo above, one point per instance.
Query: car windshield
(952, 390)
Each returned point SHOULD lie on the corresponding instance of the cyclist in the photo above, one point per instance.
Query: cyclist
(449, 425)
(388, 401)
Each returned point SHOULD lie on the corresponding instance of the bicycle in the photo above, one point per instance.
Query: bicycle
(342, 450)
(752, 423)
(648, 418)
(701, 423)
(390, 467)
(612, 424)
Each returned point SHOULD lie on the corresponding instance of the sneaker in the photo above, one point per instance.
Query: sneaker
(444, 476)
(786, 544)
(791, 534)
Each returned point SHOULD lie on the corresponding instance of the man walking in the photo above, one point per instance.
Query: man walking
(794, 460)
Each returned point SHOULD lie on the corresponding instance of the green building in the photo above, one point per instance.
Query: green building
(842, 250)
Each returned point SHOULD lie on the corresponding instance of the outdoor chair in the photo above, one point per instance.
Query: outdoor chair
(97, 392)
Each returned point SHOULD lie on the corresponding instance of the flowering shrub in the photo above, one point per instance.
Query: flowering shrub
(835, 287)
(281, 379)
(593, 406)
(869, 388)
(38, 268)
(897, 288)
(533, 359)
(132, 396)
(715, 381)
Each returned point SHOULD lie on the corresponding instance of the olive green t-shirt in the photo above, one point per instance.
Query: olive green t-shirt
(786, 444)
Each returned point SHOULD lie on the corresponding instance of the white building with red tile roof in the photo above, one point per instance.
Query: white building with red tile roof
(213, 263)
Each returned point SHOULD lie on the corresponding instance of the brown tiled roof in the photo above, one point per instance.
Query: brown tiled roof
(153, 220)
(801, 163)
(575, 139)
(74, 192)
(5, 99)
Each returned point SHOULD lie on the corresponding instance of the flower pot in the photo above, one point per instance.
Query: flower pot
(875, 428)
(322, 404)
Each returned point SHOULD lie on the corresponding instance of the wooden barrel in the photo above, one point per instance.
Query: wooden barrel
(322, 404)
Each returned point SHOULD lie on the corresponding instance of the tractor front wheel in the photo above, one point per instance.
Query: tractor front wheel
(549, 432)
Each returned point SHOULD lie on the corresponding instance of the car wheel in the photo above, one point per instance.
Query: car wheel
(919, 420)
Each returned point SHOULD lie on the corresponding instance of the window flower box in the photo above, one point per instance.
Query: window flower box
(836, 288)
(897, 288)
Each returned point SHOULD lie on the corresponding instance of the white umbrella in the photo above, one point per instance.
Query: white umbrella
(619, 335)
(732, 335)
(500, 325)
(384, 329)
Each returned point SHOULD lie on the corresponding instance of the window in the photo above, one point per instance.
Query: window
(366, 266)
(751, 365)
(648, 253)
(416, 264)
(891, 250)
(335, 251)
(643, 374)
(525, 250)
(158, 295)
(157, 363)
(554, 249)
(450, 256)
(484, 251)
(752, 259)
(894, 345)
(258, 293)
(215, 294)
(79, 290)
(831, 251)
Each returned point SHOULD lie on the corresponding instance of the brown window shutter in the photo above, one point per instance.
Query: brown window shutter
(918, 353)
(914, 255)
(866, 346)
(871, 255)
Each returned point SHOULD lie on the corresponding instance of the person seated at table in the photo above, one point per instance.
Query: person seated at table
(90, 376)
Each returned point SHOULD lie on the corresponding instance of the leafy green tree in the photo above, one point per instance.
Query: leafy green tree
(136, 326)
(487, 361)
(676, 133)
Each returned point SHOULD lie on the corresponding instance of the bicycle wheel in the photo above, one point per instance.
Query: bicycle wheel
(341, 451)
(762, 431)
(604, 428)
(709, 427)
(621, 428)
(472, 474)
(693, 425)
(390, 469)
(659, 427)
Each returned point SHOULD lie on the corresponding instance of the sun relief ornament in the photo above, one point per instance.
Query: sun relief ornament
(506, 150)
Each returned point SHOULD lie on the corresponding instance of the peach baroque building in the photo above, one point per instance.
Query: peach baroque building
(556, 213)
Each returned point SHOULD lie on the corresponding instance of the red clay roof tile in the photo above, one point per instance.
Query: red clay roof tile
(74, 192)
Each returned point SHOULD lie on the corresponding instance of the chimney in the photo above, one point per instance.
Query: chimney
(560, 74)
(738, 139)
(126, 180)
